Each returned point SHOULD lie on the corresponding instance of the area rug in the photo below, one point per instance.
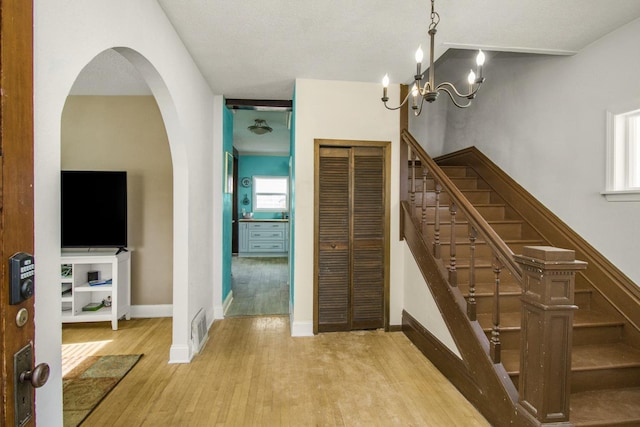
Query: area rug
(90, 382)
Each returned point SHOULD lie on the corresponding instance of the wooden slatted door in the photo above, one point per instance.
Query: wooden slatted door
(351, 238)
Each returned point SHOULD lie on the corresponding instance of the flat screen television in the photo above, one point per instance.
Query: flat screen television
(94, 209)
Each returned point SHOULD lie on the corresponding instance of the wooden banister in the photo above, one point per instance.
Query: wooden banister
(497, 245)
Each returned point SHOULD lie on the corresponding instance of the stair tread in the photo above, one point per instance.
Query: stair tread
(532, 242)
(586, 357)
(605, 407)
(581, 318)
(506, 288)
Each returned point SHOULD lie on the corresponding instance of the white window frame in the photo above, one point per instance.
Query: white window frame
(256, 208)
(623, 154)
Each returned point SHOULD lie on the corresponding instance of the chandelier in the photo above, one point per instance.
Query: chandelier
(260, 127)
(429, 91)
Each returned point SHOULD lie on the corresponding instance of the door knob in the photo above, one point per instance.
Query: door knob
(38, 377)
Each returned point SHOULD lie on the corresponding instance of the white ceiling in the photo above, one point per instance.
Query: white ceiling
(274, 143)
(255, 49)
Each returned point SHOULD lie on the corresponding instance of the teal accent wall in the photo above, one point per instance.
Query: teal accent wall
(292, 197)
(249, 166)
(227, 202)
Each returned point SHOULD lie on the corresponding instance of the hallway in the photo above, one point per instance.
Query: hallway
(251, 372)
(260, 286)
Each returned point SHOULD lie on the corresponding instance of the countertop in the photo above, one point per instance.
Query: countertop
(262, 220)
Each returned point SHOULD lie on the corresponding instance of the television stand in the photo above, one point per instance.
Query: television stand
(121, 249)
(78, 295)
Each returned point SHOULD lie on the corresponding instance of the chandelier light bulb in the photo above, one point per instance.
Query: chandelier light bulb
(472, 77)
(385, 81)
(480, 58)
(419, 55)
(414, 90)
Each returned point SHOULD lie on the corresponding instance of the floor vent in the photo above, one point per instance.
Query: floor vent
(199, 334)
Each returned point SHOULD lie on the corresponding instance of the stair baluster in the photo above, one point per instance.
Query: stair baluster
(495, 331)
(423, 219)
(436, 225)
(453, 273)
(412, 191)
(471, 301)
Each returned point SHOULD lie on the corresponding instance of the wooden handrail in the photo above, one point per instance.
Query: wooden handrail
(497, 245)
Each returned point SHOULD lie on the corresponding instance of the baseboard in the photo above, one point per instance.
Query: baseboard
(179, 354)
(226, 303)
(149, 311)
(301, 329)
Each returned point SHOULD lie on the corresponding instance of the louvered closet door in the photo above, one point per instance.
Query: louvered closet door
(351, 238)
(333, 240)
(368, 219)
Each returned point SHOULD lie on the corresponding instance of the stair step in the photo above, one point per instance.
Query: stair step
(452, 171)
(483, 250)
(489, 211)
(620, 407)
(462, 182)
(510, 293)
(588, 327)
(506, 228)
(482, 196)
(593, 367)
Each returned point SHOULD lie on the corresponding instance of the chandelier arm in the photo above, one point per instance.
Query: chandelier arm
(450, 87)
(404, 101)
(453, 99)
(419, 110)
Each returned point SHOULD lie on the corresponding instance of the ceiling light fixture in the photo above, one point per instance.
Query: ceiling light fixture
(260, 127)
(429, 92)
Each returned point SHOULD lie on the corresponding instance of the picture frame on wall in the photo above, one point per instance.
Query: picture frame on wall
(228, 173)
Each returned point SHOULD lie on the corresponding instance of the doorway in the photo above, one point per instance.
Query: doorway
(258, 266)
(351, 261)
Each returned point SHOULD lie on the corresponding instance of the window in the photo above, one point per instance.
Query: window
(270, 193)
(623, 156)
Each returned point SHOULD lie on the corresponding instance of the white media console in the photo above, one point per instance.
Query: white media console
(78, 293)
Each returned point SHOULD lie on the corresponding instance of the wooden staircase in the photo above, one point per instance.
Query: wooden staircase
(502, 220)
(605, 373)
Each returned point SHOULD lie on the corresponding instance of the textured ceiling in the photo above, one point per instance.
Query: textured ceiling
(255, 49)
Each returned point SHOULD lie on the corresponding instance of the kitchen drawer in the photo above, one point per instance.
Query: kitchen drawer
(266, 235)
(266, 246)
(266, 226)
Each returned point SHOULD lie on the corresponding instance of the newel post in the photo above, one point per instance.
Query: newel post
(548, 281)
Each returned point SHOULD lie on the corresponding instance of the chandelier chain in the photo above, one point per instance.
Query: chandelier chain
(435, 18)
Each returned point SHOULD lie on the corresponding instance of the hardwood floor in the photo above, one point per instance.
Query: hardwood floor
(260, 286)
(251, 372)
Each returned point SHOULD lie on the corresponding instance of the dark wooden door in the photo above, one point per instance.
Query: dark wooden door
(16, 190)
(351, 238)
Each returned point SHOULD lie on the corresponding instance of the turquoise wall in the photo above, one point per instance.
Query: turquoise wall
(227, 203)
(249, 166)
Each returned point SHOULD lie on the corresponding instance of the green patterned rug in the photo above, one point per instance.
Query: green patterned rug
(89, 382)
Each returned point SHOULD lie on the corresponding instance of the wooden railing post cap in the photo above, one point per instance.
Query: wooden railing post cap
(550, 257)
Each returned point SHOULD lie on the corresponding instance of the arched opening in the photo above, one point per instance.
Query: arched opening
(119, 115)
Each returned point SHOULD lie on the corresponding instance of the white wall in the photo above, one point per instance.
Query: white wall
(338, 110)
(420, 304)
(542, 119)
(67, 36)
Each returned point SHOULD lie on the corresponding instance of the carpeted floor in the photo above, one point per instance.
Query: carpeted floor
(260, 286)
(90, 381)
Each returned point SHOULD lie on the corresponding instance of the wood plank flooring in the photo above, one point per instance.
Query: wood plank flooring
(260, 286)
(252, 373)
